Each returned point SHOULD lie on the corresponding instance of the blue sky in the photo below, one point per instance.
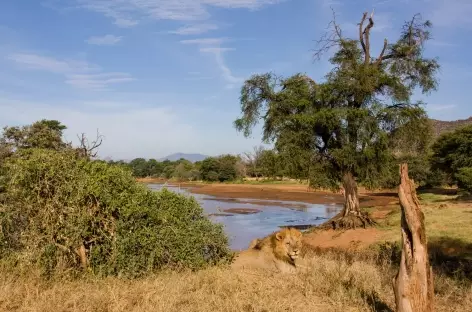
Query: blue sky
(162, 76)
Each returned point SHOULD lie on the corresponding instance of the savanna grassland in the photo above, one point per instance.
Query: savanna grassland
(350, 271)
(81, 234)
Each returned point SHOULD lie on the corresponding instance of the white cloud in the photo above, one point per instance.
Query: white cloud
(225, 71)
(196, 29)
(439, 43)
(104, 40)
(128, 13)
(204, 41)
(97, 81)
(216, 50)
(33, 61)
(78, 74)
(128, 131)
(439, 107)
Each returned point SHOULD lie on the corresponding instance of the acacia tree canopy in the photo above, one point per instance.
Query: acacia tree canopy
(351, 123)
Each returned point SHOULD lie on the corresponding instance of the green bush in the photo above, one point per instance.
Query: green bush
(55, 202)
(464, 178)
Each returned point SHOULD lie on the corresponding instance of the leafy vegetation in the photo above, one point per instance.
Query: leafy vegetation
(452, 154)
(357, 121)
(61, 211)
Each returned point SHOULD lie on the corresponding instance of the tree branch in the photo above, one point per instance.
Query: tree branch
(361, 35)
(366, 34)
(329, 39)
(88, 150)
(381, 56)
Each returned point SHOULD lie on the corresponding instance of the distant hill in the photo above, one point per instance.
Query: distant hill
(189, 157)
(440, 126)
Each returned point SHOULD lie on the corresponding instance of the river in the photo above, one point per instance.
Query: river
(246, 219)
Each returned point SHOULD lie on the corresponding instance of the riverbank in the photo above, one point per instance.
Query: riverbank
(448, 219)
(283, 191)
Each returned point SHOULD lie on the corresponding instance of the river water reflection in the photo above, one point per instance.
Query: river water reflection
(246, 219)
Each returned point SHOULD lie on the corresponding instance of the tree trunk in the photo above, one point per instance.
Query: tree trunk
(351, 217)
(351, 196)
(413, 285)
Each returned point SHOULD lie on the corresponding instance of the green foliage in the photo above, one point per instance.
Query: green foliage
(222, 168)
(55, 202)
(452, 155)
(41, 134)
(358, 120)
(464, 178)
(453, 150)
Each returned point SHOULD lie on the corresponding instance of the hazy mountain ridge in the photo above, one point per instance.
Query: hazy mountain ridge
(440, 126)
(190, 157)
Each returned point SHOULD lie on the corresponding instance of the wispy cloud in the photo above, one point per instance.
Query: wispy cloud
(196, 29)
(128, 13)
(79, 74)
(440, 107)
(104, 40)
(34, 61)
(97, 81)
(205, 41)
(212, 46)
(439, 43)
(226, 73)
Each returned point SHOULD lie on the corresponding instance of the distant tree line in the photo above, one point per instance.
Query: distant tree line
(444, 161)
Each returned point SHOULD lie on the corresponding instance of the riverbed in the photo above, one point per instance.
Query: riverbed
(247, 218)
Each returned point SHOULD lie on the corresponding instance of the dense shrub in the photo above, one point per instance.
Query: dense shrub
(464, 178)
(452, 155)
(55, 203)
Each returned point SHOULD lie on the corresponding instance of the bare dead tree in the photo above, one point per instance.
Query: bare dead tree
(413, 285)
(89, 149)
(414, 36)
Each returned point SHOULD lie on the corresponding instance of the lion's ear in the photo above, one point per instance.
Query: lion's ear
(279, 236)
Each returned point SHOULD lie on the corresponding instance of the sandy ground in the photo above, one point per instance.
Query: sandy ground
(288, 192)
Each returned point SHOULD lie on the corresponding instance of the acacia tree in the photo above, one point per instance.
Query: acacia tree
(41, 134)
(351, 123)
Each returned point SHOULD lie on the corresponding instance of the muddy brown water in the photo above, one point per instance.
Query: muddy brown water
(245, 219)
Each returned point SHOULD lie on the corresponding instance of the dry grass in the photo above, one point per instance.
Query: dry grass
(444, 217)
(333, 283)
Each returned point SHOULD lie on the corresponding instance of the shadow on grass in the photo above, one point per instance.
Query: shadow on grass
(437, 191)
(448, 256)
(376, 303)
(451, 257)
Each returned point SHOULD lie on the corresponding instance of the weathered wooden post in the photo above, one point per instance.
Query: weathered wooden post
(413, 285)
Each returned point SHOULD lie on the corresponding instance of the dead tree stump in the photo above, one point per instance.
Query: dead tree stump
(413, 285)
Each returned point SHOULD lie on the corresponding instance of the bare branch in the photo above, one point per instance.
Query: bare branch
(379, 60)
(87, 149)
(331, 38)
(361, 34)
(366, 34)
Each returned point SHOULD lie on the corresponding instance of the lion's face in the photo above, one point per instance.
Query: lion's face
(289, 243)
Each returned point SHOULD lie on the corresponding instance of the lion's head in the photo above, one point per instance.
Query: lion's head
(287, 244)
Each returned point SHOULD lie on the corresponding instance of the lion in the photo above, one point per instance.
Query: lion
(277, 251)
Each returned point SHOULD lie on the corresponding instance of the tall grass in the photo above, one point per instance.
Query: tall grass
(333, 283)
